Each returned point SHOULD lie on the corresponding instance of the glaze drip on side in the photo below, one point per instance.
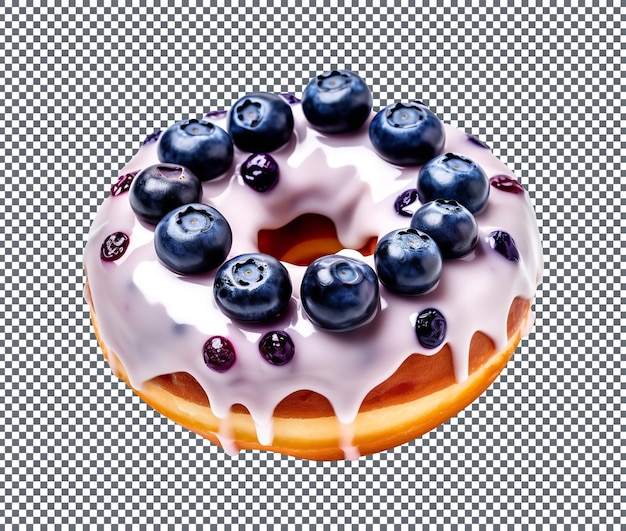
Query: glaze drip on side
(157, 321)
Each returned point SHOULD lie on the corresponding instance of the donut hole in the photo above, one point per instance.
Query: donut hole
(305, 239)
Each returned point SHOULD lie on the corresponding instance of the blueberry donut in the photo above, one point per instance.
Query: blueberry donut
(310, 277)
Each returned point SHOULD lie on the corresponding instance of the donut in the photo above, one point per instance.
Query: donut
(309, 276)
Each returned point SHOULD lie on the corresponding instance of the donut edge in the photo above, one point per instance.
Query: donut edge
(320, 438)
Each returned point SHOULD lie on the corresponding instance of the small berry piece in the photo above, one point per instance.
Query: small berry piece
(430, 328)
(252, 287)
(502, 243)
(450, 224)
(337, 102)
(290, 98)
(203, 147)
(407, 134)
(339, 293)
(152, 137)
(277, 348)
(160, 188)
(219, 354)
(260, 122)
(408, 261)
(405, 199)
(123, 183)
(114, 246)
(506, 184)
(260, 172)
(192, 238)
(454, 176)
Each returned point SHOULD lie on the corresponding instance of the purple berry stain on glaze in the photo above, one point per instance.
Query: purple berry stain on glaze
(475, 140)
(290, 98)
(216, 115)
(506, 184)
(430, 328)
(152, 137)
(179, 329)
(277, 348)
(502, 243)
(219, 354)
(405, 199)
(114, 246)
(123, 183)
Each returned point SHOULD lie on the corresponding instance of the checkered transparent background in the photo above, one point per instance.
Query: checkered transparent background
(81, 86)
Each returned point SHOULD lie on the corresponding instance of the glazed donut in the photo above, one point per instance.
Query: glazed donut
(310, 277)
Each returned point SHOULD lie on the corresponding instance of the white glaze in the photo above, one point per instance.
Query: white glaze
(157, 321)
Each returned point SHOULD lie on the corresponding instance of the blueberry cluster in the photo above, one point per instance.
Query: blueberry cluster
(451, 189)
(338, 293)
(275, 347)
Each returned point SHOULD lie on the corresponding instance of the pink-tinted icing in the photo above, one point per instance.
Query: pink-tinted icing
(157, 321)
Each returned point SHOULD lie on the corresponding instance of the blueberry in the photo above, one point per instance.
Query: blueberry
(161, 188)
(430, 328)
(337, 102)
(502, 243)
(260, 172)
(252, 287)
(114, 246)
(408, 261)
(407, 134)
(506, 184)
(199, 145)
(454, 176)
(260, 122)
(193, 238)
(219, 354)
(339, 293)
(277, 348)
(450, 224)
